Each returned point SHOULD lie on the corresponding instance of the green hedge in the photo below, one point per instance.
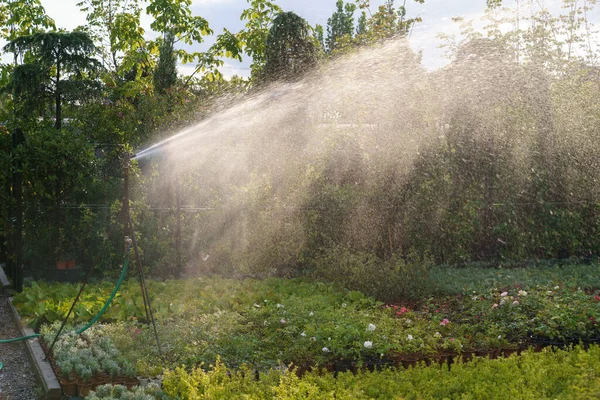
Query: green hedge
(570, 374)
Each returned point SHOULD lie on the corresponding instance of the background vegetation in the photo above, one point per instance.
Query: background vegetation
(505, 171)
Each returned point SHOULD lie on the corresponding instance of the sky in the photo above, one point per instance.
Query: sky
(436, 14)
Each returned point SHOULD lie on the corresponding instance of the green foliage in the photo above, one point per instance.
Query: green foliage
(290, 48)
(22, 18)
(117, 29)
(175, 16)
(390, 279)
(64, 64)
(253, 37)
(165, 74)
(559, 374)
(267, 323)
(120, 392)
(340, 24)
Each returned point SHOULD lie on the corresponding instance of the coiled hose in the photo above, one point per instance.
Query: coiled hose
(93, 320)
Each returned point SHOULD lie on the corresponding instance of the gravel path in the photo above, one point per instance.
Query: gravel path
(17, 381)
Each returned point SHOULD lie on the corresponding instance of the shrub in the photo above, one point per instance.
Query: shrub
(391, 279)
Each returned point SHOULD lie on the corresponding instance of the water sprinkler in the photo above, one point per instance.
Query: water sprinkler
(130, 240)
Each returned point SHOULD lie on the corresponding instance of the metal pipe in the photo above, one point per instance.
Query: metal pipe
(145, 296)
(143, 282)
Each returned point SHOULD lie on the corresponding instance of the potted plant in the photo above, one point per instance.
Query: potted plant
(67, 382)
(84, 377)
(130, 374)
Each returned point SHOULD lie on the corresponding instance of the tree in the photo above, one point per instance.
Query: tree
(63, 60)
(341, 24)
(320, 36)
(165, 74)
(22, 17)
(116, 25)
(290, 48)
(389, 20)
(253, 37)
(361, 29)
(175, 17)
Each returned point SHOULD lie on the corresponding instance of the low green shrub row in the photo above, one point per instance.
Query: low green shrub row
(560, 374)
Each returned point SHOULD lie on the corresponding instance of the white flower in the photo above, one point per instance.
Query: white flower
(303, 334)
(371, 327)
(344, 305)
(437, 334)
(503, 294)
(556, 287)
(266, 301)
(522, 293)
(280, 305)
(325, 350)
(329, 339)
(368, 344)
(282, 320)
(410, 337)
(311, 314)
(265, 323)
(499, 336)
(549, 292)
(475, 298)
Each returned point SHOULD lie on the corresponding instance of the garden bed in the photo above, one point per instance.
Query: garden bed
(274, 323)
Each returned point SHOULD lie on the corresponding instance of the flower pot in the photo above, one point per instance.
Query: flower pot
(494, 354)
(143, 380)
(70, 264)
(130, 383)
(466, 356)
(61, 264)
(509, 351)
(482, 353)
(538, 347)
(69, 387)
(99, 380)
(83, 389)
(410, 361)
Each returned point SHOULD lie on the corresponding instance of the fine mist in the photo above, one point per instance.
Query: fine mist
(370, 158)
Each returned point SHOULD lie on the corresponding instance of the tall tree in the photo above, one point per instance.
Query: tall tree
(361, 28)
(65, 62)
(341, 24)
(165, 74)
(253, 37)
(290, 48)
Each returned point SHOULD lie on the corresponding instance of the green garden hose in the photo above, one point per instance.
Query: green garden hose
(96, 317)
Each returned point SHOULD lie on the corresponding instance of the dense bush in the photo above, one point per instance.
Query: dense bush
(570, 374)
